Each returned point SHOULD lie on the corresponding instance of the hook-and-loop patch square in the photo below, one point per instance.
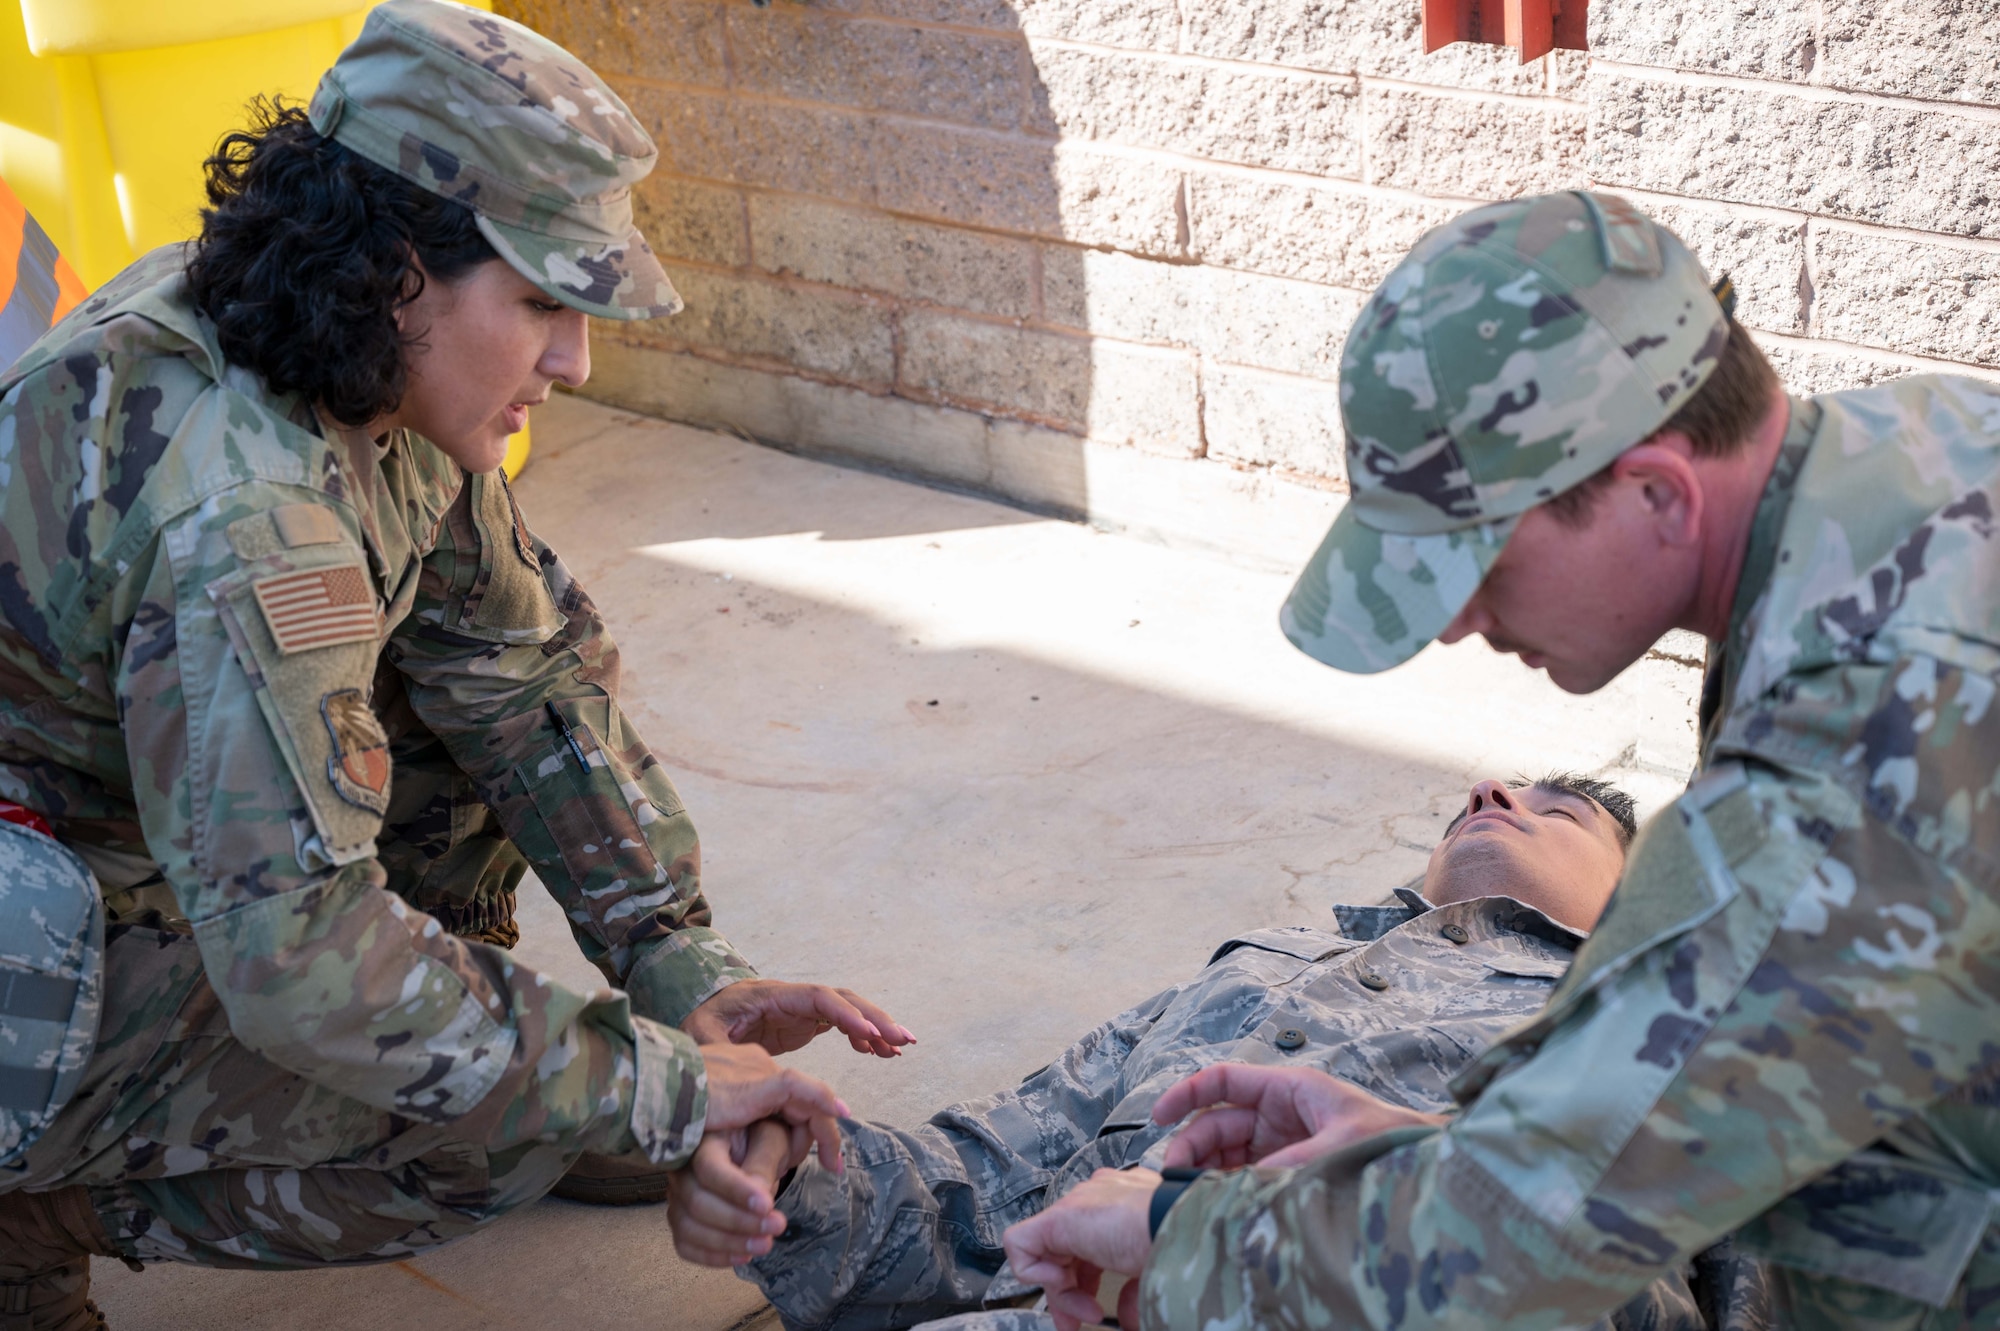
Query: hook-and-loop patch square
(317, 607)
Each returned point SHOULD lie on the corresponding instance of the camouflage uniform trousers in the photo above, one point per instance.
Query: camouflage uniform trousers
(325, 1180)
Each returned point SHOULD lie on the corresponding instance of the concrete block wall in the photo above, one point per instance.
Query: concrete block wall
(1099, 255)
(1837, 156)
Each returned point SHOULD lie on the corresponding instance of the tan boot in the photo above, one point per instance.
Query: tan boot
(46, 1242)
(612, 1180)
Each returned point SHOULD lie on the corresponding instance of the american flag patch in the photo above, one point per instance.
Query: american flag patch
(320, 607)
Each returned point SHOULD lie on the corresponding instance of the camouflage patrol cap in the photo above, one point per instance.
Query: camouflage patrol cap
(484, 112)
(1513, 353)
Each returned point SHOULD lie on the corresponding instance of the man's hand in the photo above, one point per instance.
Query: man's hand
(1272, 1116)
(723, 1205)
(746, 1084)
(782, 1016)
(1100, 1226)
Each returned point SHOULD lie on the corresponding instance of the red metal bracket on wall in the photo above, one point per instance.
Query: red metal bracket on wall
(1533, 27)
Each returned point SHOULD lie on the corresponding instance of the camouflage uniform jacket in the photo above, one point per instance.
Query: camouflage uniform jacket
(203, 589)
(1789, 1019)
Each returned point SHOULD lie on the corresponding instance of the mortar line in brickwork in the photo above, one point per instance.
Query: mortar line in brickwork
(728, 57)
(1274, 68)
(1940, 239)
(1805, 92)
(1764, 212)
(1200, 405)
(1347, 185)
(840, 108)
(1293, 376)
(1364, 132)
(885, 20)
(1532, 100)
(894, 303)
(1907, 359)
(871, 209)
(746, 361)
(896, 344)
(1036, 243)
(1192, 61)
(792, 281)
(1254, 174)
(1809, 276)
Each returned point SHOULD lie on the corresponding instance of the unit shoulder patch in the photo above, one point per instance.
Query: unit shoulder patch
(317, 607)
(358, 767)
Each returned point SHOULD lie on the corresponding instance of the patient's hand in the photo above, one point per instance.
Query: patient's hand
(723, 1205)
(1273, 1116)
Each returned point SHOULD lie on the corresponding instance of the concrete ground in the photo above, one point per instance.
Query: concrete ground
(1005, 775)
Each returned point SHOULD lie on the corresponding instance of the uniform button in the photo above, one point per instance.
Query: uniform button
(1372, 980)
(1288, 1040)
(1455, 933)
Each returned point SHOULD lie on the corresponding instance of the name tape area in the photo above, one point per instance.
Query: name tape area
(320, 607)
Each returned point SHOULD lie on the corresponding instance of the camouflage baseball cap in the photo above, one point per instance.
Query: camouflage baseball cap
(1514, 352)
(483, 111)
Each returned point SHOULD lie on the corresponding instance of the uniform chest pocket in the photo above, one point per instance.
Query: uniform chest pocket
(1295, 941)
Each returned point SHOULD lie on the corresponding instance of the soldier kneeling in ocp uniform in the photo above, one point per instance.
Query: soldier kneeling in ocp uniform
(291, 697)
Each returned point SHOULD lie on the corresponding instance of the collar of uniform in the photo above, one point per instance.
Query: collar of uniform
(1480, 917)
(1495, 916)
(1767, 527)
(1365, 924)
(360, 457)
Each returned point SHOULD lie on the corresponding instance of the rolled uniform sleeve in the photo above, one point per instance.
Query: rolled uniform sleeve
(506, 659)
(1774, 1027)
(261, 775)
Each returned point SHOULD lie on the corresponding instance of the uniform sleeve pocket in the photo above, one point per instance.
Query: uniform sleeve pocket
(593, 809)
(306, 637)
(1879, 1220)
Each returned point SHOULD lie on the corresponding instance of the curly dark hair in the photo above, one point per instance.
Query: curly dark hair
(308, 249)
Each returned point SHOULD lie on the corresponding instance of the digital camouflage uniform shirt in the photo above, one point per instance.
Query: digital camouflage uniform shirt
(1786, 1025)
(255, 670)
(1398, 1000)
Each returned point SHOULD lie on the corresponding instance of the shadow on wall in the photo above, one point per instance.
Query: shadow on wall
(864, 212)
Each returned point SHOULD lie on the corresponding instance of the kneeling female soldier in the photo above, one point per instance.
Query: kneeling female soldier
(290, 697)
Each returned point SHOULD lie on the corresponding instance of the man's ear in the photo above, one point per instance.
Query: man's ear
(1669, 486)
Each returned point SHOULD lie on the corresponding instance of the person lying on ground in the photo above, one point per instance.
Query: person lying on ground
(1398, 999)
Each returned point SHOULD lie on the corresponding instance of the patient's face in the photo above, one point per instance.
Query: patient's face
(1556, 850)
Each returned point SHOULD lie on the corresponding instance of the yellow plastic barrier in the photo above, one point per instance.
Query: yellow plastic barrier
(109, 107)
